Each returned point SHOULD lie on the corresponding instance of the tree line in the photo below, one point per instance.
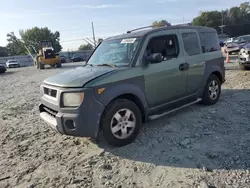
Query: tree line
(236, 21)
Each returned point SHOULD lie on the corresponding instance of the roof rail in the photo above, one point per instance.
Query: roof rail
(147, 27)
(140, 28)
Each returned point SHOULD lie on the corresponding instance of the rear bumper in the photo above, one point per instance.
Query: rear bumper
(13, 65)
(50, 61)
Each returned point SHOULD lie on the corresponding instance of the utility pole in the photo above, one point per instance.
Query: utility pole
(222, 23)
(93, 34)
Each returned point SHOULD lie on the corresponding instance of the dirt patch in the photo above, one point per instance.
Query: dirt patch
(196, 147)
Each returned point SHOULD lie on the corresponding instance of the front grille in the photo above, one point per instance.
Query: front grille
(48, 110)
(50, 92)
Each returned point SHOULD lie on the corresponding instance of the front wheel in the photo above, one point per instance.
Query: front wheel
(121, 122)
(212, 90)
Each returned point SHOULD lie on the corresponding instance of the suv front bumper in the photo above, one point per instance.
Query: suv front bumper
(244, 59)
(80, 122)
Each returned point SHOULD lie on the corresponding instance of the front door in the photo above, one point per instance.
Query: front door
(164, 81)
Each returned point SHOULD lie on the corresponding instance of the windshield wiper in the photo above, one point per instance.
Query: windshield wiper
(88, 64)
(106, 64)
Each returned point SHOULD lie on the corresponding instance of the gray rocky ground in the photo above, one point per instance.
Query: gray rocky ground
(195, 147)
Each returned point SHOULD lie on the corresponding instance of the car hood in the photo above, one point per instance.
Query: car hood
(77, 77)
(233, 45)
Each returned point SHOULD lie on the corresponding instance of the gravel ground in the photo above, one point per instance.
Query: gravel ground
(194, 147)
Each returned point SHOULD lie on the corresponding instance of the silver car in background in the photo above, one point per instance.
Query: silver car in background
(12, 64)
(244, 57)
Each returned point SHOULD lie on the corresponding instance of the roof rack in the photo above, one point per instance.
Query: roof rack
(140, 28)
(147, 27)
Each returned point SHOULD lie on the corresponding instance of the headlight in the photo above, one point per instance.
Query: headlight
(72, 99)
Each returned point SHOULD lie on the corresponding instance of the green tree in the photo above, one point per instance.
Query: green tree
(35, 35)
(31, 38)
(239, 15)
(208, 19)
(235, 18)
(3, 51)
(15, 46)
(85, 47)
(161, 23)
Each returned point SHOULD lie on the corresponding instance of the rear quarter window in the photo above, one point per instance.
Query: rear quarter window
(191, 43)
(209, 42)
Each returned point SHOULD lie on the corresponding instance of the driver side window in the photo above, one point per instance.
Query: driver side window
(166, 45)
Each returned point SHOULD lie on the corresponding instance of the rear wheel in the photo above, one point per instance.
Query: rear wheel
(41, 65)
(212, 90)
(121, 122)
(59, 64)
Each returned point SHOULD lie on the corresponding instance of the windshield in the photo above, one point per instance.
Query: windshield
(242, 38)
(236, 39)
(246, 37)
(118, 52)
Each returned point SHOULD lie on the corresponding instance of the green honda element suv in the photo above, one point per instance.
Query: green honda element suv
(134, 77)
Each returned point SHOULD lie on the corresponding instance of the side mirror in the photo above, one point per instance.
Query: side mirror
(153, 58)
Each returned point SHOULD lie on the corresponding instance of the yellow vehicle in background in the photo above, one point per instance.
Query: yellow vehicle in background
(47, 56)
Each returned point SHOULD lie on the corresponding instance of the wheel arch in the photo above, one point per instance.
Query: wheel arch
(133, 92)
(218, 74)
(136, 100)
(214, 69)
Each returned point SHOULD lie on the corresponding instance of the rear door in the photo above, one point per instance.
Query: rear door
(194, 58)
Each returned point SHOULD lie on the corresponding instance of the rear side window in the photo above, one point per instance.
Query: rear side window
(191, 43)
(209, 42)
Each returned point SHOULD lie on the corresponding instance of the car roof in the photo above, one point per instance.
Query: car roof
(145, 32)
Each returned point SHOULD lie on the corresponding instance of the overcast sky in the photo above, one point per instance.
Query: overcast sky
(73, 18)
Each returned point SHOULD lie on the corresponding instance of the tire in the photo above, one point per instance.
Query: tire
(41, 65)
(108, 120)
(59, 65)
(208, 98)
(52, 66)
(242, 67)
(37, 65)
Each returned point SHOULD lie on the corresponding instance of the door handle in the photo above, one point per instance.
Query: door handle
(184, 67)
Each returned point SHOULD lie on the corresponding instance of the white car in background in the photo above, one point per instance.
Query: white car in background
(229, 40)
(12, 64)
